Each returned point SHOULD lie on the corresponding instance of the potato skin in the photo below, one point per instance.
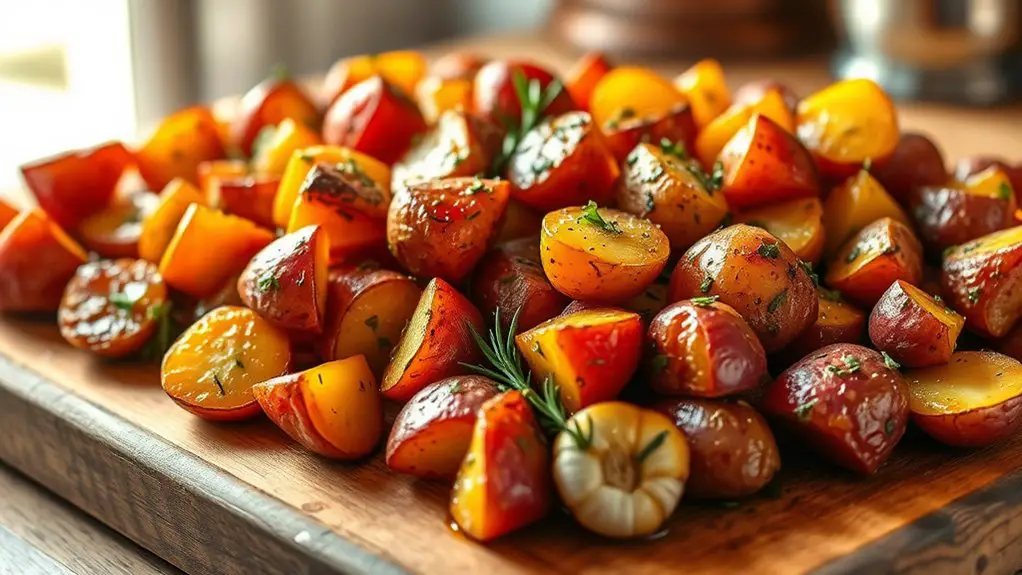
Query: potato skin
(733, 452)
(37, 259)
(983, 281)
(845, 403)
(948, 216)
(756, 274)
(459, 145)
(875, 257)
(281, 281)
(438, 420)
(676, 126)
(916, 163)
(911, 334)
(703, 351)
(974, 428)
(510, 278)
(442, 228)
(837, 322)
(267, 104)
(494, 95)
(373, 117)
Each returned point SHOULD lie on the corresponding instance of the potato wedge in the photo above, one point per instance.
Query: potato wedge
(402, 68)
(982, 280)
(752, 92)
(855, 203)
(874, 258)
(437, 341)
(443, 227)
(703, 348)
(797, 223)
(959, 212)
(519, 222)
(459, 145)
(433, 430)
(158, 226)
(510, 279)
(601, 255)
(972, 401)
(182, 141)
(266, 105)
(495, 93)
(675, 126)
(436, 96)
(706, 90)
(913, 327)
(836, 322)
(1011, 344)
(715, 135)
(845, 403)
(917, 162)
(373, 117)
(249, 196)
(37, 259)
(211, 369)
(275, 151)
(756, 274)
(590, 355)
(583, 76)
(114, 232)
(632, 92)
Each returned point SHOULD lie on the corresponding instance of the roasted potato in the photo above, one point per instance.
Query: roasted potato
(457, 65)
(916, 163)
(603, 255)
(375, 118)
(432, 431)
(756, 274)
(37, 259)
(847, 123)
(764, 164)
(402, 68)
(366, 311)
(182, 141)
(675, 126)
(561, 162)
(590, 355)
(845, 402)
(7, 213)
(874, 258)
(495, 90)
(650, 302)
(836, 322)
(973, 400)
(629, 92)
(982, 280)
(437, 341)
(797, 223)
(266, 105)
(275, 150)
(114, 232)
(519, 222)
(752, 92)
(510, 279)
(914, 327)
(158, 226)
(715, 135)
(250, 196)
(211, 369)
(703, 348)
(459, 145)
(660, 184)
(1011, 344)
(112, 307)
(333, 409)
(852, 205)
(975, 164)
(436, 96)
(959, 212)
(706, 90)
(732, 451)
(583, 76)
(442, 228)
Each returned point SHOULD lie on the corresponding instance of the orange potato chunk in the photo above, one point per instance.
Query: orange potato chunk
(36, 261)
(628, 92)
(159, 226)
(873, 259)
(797, 223)
(857, 202)
(183, 141)
(712, 138)
(403, 68)
(706, 89)
(274, 152)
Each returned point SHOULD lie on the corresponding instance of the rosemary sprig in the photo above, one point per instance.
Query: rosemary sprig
(534, 99)
(505, 368)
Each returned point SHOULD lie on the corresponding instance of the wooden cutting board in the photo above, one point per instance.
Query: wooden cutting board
(244, 499)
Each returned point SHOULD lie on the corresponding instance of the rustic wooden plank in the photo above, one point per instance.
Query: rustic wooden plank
(18, 557)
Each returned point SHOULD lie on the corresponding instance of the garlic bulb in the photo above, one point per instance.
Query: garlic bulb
(628, 475)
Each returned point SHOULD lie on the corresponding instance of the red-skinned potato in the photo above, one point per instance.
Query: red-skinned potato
(495, 96)
(756, 274)
(286, 282)
(211, 369)
(403, 68)
(7, 213)
(590, 355)
(604, 255)
(459, 145)
(74, 185)
(972, 401)
(706, 89)
(112, 307)
(916, 162)
(510, 279)
(983, 281)
(715, 135)
(845, 403)
(1011, 344)
(976, 164)
(846, 124)
(375, 118)
(367, 309)
(583, 77)
(519, 222)
(436, 342)
(660, 184)
(115, 231)
(703, 348)
(675, 126)
(752, 92)
(432, 432)
(267, 104)
(764, 164)
(181, 142)
(441, 228)
(837, 321)
(852, 205)
(561, 162)
(874, 258)
(913, 327)
(333, 409)
(797, 223)
(250, 196)
(457, 65)
(36, 261)
(732, 451)
(959, 212)
(504, 481)
(649, 302)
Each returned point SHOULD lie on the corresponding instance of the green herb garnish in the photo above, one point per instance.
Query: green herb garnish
(705, 301)
(652, 446)
(852, 365)
(889, 361)
(591, 214)
(705, 286)
(804, 411)
(1004, 191)
(852, 255)
(769, 250)
(219, 385)
(778, 301)
(268, 282)
(676, 149)
(973, 294)
(534, 100)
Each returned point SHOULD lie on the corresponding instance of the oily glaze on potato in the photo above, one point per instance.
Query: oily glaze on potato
(836, 322)
(715, 135)
(706, 90)
(367, 309)
(375, 118)
(7, 213)
(845, 403)
(975, 164)
(442, 228)
(590, 354)
(703, 348)
(158, 226)
(286, 282)
(275, 151)
(675, 126)
(112, 307)
(601, 255)
(972, 401)
(917, 162)
(562, 162)
(432, 432)
(115, 231)
(403, 68)
(267, 104)
(211, 368)
(913, 327)
(510, 279)
(797, 223)
(581, 79)
(437, 341)
(672, 192)
(959, 212)
(37, 259)
(248, 196)
(495, 94)
(182, 141)
(732, 451)
(756, 274)
(874, 258)
(333, 409)
(764, 164)
(459, 145)
(632, 92)
(982, 280)
(855, 203)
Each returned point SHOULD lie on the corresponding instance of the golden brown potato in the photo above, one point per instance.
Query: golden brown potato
(983, 281)
(510, 279)
(913, 327)
(630, 130)
(601, 255)
(959, 212)
(706, 89)
(756, 274)
(459, 145)
(857, 202)
(798, 223)
(37, 259)
(837, 322)
(874, 258)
